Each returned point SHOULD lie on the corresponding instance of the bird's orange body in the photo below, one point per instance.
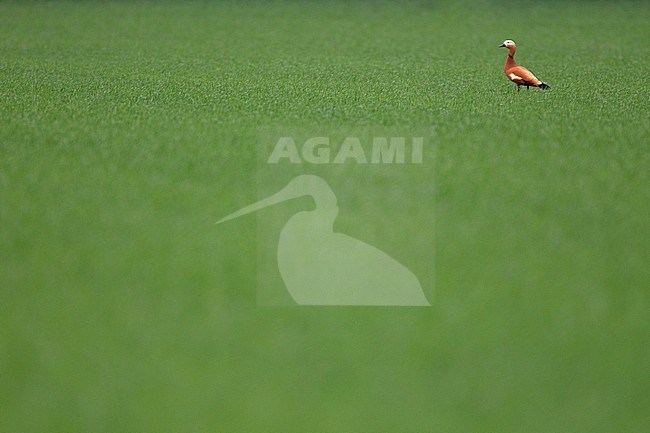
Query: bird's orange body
(518, 74)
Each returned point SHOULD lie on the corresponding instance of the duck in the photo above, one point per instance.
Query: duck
(518, 74)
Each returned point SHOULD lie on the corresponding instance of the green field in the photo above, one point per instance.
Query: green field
(128, 128)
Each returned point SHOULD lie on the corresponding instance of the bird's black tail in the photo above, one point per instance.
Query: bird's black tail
(544, 85)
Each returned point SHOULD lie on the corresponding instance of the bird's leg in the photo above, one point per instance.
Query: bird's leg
(517, 87)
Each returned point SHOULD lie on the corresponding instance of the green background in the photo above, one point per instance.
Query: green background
(128, 129)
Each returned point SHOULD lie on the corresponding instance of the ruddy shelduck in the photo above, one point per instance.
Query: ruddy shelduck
(518, 74)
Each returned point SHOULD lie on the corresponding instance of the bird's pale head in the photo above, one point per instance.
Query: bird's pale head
(510, 45)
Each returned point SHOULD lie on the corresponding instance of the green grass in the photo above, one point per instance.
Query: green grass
(128, 129)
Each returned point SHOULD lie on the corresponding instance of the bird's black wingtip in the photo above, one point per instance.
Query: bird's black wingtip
(544, 86)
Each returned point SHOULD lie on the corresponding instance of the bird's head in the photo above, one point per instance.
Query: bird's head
(299, 186)
(510, 45)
